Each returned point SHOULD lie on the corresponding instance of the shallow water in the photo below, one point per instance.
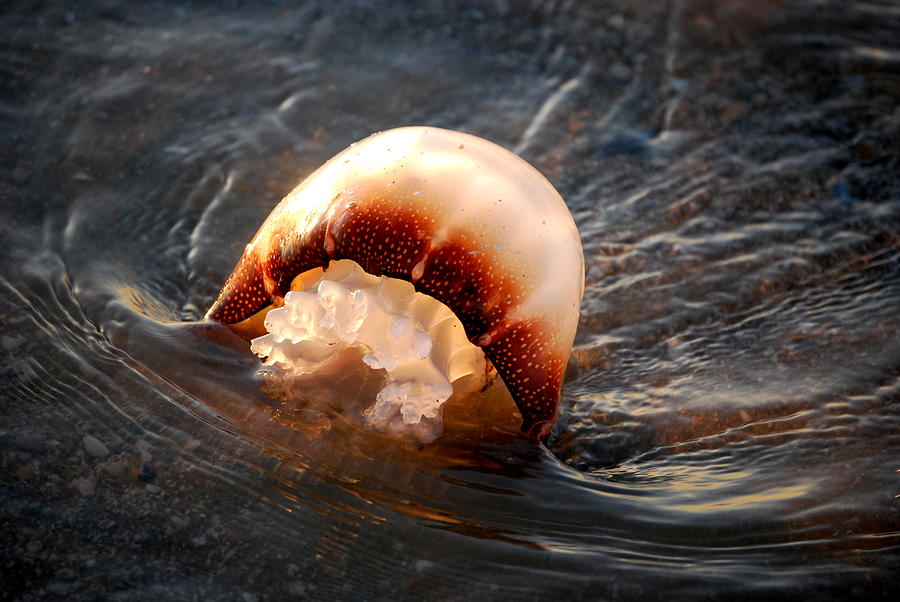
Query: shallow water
(730, 424)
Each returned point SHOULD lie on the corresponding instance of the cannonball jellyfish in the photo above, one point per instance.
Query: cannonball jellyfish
(462, 220)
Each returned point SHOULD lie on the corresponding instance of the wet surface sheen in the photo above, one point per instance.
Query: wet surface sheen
(730, 423)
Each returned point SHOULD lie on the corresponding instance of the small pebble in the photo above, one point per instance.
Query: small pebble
(9, 343)
(11, 491)
(66, 574)
(143, 447)
(297, 588)
(248, 597)
(616, 21)
(94, 447)
(60, 589)
(29, 442)
(151, 488)
(26, 471)
(34, 546)
(85, 487)
(115, 468)
(200, 540)
(148, 473)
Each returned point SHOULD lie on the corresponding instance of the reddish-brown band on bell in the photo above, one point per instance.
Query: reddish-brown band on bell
(385, 242)
(393, 221)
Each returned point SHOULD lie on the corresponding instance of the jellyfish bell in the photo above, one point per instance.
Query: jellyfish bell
(461, 220)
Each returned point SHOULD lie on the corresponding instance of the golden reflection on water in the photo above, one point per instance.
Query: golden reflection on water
(740, 502)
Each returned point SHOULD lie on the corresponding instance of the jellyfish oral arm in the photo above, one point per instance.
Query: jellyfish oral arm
(464, 220)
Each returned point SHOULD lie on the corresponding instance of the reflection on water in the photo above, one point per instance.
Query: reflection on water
(729, 426)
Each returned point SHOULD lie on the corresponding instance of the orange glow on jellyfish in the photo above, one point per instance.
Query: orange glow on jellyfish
(459, 218)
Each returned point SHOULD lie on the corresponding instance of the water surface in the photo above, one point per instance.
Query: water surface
(730, 425)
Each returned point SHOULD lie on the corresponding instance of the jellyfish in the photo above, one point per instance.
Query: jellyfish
(457, 219)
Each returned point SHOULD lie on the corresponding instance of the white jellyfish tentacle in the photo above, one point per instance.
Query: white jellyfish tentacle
(416, 343)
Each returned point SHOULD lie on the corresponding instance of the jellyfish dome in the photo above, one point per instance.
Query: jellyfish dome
(458, 218)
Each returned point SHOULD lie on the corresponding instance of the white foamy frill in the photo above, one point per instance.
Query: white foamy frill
(415, 339)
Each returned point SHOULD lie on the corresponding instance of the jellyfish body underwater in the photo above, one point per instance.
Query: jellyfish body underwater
(460, 219)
